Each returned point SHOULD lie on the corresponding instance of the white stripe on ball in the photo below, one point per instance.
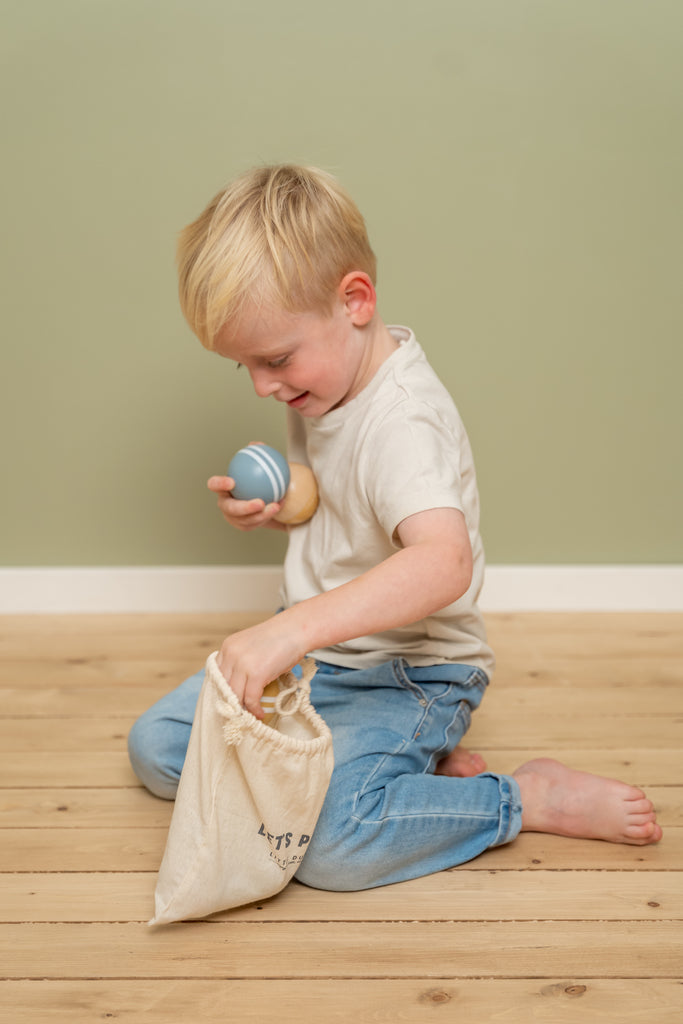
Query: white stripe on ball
(270, 468)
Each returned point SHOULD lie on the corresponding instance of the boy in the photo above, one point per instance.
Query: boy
(381, 585)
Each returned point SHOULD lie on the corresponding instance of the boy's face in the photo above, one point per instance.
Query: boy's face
(313, 363)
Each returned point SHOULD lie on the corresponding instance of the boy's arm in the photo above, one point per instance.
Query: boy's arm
(431, 570)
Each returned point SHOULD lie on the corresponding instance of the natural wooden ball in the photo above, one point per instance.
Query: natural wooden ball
(301, 499)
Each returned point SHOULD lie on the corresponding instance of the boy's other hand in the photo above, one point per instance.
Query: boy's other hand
(250, 659)
(243, 515)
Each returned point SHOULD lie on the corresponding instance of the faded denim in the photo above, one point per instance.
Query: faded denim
(386, 817)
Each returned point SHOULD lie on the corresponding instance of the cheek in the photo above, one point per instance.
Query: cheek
(328, 383)
(316, 377)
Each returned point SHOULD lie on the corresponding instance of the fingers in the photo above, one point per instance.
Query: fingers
(252, 704)
(248, 694)
(247, 515)
(243, 515)
(253, 657)
(220, 483)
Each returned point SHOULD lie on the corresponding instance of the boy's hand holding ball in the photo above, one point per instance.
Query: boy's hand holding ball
(262, 486)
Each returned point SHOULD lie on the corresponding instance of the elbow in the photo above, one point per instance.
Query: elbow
(452, 576)
(463, 571)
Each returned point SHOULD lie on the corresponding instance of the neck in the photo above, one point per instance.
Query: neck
(378, 344)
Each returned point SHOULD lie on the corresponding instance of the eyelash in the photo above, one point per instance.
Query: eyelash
(274, 364)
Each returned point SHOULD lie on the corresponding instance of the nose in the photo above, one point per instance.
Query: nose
(265, 382)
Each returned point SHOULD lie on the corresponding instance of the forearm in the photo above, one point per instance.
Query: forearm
(408, 586)
(431, 570)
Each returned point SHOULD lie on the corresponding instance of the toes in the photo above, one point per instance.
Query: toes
(639, 835)
(468, 769)
(641, 819)
(643, 831)
(640, 806)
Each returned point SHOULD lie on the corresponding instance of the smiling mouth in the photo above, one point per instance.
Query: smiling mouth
(294, 403)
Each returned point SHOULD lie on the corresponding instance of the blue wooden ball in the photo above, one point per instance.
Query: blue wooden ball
(259, 471)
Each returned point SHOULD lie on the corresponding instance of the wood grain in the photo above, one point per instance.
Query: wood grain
(447, 896)
(543, 929)
(564, 999)
(431, 949)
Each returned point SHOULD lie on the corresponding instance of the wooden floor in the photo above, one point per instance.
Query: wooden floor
(545, 929)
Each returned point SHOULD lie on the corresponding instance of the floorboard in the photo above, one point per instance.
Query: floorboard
(472, 896)
(545, 929)
(560, 1000)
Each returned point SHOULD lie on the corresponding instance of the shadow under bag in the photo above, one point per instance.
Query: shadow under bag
(248, 800)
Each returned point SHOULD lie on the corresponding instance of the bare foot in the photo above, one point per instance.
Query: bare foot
(564, 802)
(461, 764)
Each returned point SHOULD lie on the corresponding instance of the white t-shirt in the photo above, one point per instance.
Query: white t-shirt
(397, 448)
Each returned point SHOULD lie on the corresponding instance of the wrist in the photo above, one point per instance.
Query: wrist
(301, 626)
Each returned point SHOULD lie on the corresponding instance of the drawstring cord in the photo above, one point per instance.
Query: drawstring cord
(288, 702)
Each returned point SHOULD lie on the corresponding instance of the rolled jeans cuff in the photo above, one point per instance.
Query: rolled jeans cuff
(510, 821)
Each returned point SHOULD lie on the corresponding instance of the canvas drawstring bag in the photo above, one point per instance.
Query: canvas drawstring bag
(248, 800)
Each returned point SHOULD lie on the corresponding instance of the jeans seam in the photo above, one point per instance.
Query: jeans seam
(476, 680)
(403, 679)
(421, 815)
(360, 793)
(462, 716)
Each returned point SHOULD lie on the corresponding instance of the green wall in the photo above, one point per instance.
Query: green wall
(520, 165)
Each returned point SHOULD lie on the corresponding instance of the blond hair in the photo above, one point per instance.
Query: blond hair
(285, 234)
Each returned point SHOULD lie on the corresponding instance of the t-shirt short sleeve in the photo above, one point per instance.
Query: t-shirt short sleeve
(418, 469)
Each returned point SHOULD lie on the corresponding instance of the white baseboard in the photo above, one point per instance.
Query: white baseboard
(600, 588)
(508, 588)
(141, 589)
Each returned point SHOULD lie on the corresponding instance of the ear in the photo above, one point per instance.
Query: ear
(357, 293)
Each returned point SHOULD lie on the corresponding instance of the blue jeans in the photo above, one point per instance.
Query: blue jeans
(386, 816)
